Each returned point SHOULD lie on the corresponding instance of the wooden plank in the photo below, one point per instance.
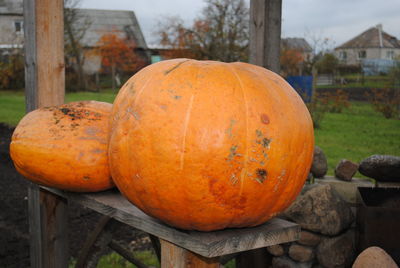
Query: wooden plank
(265, 33)
(90, 241)
(35, 228)
(44, 80)
(50, 52)
(54, 220)
(30, 55)
(173, 256)
(207, 244)
(47, 228)
(126, 254)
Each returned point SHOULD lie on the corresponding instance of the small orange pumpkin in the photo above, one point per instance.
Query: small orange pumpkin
(65, 146)
(207, 145)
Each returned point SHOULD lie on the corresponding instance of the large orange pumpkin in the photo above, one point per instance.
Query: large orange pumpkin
(207, 145)
(65, 146)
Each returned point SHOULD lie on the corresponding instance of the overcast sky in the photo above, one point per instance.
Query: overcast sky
(338, 20)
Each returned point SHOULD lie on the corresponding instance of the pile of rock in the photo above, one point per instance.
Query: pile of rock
(378, 167)
(327, 237)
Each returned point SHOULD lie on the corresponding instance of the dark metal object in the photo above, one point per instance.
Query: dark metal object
(378, 219)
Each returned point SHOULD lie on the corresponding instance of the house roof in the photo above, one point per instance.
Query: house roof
(296, 43)
(11, 7)
(374, 37)
(122, 22)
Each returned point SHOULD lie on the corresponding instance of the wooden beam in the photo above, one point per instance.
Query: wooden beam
(45, 86)
(207, 244)
(173, 256)
(265, 33)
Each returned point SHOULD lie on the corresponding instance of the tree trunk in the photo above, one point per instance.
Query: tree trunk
(82, 83)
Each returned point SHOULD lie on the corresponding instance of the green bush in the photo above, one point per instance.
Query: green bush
(12, 71)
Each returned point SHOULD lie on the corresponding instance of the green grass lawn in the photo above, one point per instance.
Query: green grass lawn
(356, 133)
(12, 103)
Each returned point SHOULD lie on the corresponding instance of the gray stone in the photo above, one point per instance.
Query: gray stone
(320, 164)
(381, 167)
(285, 262)
(337, 252)
(374, 257)
(321, 210)
(309, 239)
(276, 250)
(301, 253)
(345, 170)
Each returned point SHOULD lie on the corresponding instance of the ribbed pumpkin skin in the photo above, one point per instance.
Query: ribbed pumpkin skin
(65, 146)
(207, 145)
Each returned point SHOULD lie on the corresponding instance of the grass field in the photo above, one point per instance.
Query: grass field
(354, 134)
(12, 103)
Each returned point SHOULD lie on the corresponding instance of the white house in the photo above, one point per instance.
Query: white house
(11, 25)
(374, 43)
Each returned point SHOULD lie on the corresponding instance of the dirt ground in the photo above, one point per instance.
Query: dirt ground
(14, 234)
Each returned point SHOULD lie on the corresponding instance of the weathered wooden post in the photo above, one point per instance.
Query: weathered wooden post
(45, 86)
(265, 33)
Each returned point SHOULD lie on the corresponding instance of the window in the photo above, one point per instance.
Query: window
(18, 26)
(362, 54)
(343, 55)
(390, 54)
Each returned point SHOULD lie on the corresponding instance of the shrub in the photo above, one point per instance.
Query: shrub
(12, 71)
(385, 101)
(323, 102)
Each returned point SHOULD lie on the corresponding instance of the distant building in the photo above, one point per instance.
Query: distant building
(295, 53)
(373, 44)
(299, 44)
(122, 23)
(11, 25)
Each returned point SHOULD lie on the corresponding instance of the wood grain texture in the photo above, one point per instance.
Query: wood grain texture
(207, 244)
(50, 52)
(173, 256)
(31, 101)
(44, 80)
(47, 228)
(265, 33)
(54, 230)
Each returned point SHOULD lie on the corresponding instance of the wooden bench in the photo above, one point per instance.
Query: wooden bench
(179, 248)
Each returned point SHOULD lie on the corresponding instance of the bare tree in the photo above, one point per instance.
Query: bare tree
(221, 32)
(75, 27)
(320, 46)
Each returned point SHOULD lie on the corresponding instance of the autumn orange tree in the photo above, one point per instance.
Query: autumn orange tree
(291, 59)
(118, 55)
(174, 38)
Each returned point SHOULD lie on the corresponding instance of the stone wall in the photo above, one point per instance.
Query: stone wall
(327, 238)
